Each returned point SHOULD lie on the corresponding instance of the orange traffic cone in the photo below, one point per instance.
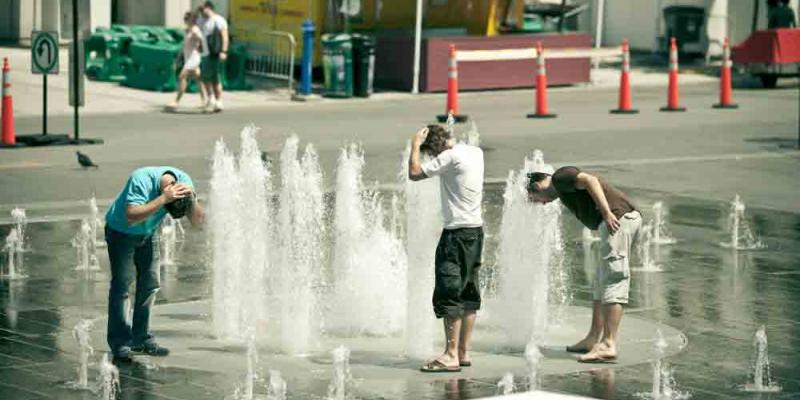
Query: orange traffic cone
(725, 90)
(9, 136)
(452, 90)
(673, 103)
(541, 86)
(625, 106)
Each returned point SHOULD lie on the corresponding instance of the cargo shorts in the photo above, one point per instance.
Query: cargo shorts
(458, 260)
(612, 281)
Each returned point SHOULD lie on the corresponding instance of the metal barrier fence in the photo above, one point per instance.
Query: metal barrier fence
(270, 54)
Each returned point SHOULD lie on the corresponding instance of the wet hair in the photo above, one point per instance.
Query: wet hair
(436, 139)
(178, 208)
(533, 178)
(208, 4)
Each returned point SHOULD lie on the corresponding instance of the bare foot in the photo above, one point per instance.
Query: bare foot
(600, 353)
(584, 346)
(464, 359)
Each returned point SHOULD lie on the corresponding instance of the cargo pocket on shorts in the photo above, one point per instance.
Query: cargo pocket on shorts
(616, 260)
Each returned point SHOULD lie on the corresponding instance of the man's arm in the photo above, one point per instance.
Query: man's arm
(198, 213)
(592, 185)
(224, 54)
(415, 172)
(137, 213)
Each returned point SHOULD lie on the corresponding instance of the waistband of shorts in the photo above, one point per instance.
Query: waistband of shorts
(464, 229)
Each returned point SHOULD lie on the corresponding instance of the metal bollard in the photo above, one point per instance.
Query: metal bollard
(308, 54)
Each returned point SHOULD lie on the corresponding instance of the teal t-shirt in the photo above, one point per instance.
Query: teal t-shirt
(142, 187)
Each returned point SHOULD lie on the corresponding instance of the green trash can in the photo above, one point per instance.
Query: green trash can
(363, 64)
(337, 65)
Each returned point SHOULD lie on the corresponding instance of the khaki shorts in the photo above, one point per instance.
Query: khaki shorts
(612, 281)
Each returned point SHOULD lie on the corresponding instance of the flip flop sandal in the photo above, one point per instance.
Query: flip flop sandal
(438, 366)
(599, 360)
(575, 349)
(465, 364)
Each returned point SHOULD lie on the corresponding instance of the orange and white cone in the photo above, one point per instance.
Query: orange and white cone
(625, 106)
(725, 84)
(9, 136)
(452, 90)
(541, 86)
(673, 102)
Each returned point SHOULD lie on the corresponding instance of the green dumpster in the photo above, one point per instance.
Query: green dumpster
(337, 65)
(363, 64)
(152, 66)
(105, 60)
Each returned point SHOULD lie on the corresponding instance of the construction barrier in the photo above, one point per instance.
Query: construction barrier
(451, 109)
(541, 86)
(725, 84)
(625, 106)
(673, 101)
(9, 136)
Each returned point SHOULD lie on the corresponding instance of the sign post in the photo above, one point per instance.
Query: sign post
(44, 61)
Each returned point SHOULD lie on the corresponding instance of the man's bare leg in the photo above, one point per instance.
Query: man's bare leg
(452, 333)
(607, 348)
(467, 324)
(595, 331)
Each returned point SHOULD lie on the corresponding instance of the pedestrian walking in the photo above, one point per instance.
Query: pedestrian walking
(194, 46)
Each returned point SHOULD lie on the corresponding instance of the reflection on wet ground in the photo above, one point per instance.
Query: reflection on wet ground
(716, 296)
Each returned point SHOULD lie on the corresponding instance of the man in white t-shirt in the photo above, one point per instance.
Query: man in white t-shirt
(456, 295)
(215, 31)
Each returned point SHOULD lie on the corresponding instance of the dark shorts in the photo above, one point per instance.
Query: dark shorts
(458, 259)
(209, 69)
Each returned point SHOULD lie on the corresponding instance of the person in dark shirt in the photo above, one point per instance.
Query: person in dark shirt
(781, 15)
(599, 206)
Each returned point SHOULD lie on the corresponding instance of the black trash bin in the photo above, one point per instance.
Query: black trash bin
(363, 64)
(685, 23)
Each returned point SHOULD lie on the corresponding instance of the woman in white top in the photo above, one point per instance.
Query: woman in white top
(194, 46)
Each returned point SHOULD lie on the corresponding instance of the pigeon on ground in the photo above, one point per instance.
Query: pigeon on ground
(85, 161)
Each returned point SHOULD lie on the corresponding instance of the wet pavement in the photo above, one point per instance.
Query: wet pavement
(717, 297)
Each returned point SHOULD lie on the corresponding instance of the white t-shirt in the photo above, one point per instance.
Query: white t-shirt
(460, 171)
(216, 21)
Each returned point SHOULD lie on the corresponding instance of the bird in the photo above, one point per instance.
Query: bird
(85, 161)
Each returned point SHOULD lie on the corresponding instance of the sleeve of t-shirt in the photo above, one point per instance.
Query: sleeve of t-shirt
(438, 165)
(138, 193)
(564, 179)
(221, 23)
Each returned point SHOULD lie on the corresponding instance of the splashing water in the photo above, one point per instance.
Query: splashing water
(762, 375)
(96, 224)
(168, 240)
(81, 335)
(661, 234)
(14, 256)
(645, 244)
(423, 227)
(588, 236)
(742, 237)
(664, 386)
(240, 238)
(20, 219)
(533, 360)
(276, 388)
(300, 221)
(107, 385)
(368, 262)
(505, 385)
(83, 242)
(472, 136)
(342, 384)
(533, 279)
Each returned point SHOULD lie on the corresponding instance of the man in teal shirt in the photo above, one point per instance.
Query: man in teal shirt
(131, 222)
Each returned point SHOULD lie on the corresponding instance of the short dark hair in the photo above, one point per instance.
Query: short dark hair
(178, 208)
(208, 4)
(436, 139)
(535, 177)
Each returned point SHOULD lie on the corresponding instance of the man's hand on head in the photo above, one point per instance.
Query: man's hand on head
(176, 191)
(419, 137)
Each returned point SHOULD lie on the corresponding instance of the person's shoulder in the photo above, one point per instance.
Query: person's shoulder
(567, 170)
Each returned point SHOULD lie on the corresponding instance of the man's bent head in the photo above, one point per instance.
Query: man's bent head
(437, 141)
(540, 188)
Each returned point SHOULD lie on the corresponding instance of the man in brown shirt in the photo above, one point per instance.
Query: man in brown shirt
(599, 206)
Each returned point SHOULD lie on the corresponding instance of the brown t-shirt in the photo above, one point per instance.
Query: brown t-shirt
(581, 203)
